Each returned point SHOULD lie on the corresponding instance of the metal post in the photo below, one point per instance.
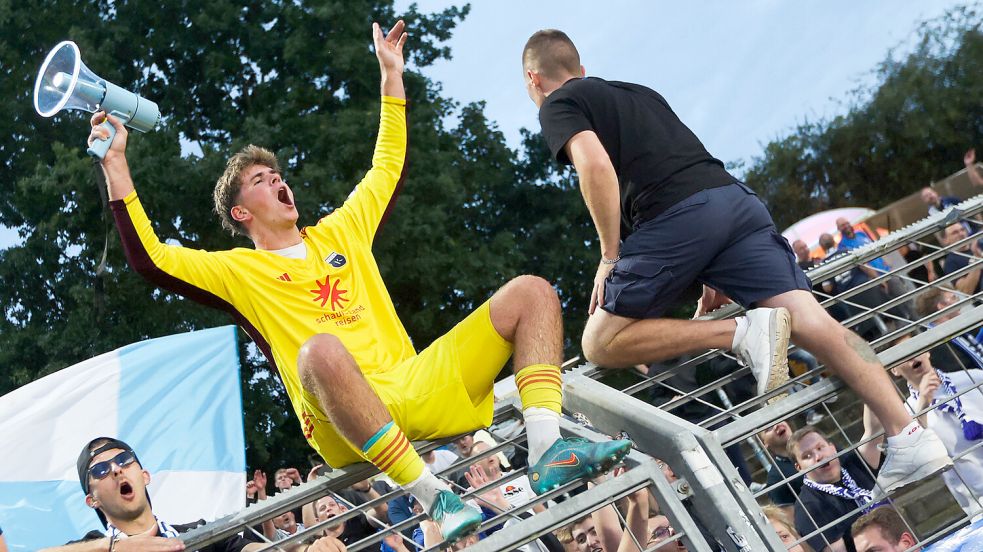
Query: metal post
(730, 521)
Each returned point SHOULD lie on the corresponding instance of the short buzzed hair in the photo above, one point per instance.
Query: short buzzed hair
(886, 519)
(551, 53)
(226, 193)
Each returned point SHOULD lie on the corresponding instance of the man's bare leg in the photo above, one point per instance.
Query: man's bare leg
(846, 354)
(328, 371)
(526, 312)
(912, 452)
(615, 341)
(759, 340)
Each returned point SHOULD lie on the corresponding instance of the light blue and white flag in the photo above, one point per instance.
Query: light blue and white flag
(176, 400)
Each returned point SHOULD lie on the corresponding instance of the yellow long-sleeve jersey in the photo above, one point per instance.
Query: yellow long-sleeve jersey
(281, 302)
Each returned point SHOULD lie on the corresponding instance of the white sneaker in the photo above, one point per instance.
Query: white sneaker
(914, 454)
(764, 348)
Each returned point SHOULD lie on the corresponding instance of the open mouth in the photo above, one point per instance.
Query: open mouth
(126, 490)
(284, 197)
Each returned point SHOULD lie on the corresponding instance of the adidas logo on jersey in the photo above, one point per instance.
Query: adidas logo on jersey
(284, 277)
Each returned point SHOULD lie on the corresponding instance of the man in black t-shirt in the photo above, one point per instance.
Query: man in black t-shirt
(667, 214)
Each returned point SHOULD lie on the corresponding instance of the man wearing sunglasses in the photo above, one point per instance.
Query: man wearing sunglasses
(115, 486)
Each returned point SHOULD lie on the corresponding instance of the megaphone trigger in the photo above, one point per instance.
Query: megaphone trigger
(100, 146)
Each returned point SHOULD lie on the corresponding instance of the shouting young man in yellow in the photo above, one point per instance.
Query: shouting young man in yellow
(314, 302)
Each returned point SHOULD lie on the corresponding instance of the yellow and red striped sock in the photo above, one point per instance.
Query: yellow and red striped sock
(391, 452)
(540, 385)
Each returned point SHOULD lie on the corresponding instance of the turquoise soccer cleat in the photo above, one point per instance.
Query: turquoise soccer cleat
(570, 459)
(456, 519)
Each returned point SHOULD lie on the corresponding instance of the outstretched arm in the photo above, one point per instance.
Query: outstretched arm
(637, 521)
(969, 160)
(869, 451)
(143, 543)
(968, 283)
(114, 164)
(369, 204)
(161, 263)
(389, 51)
(599, 185)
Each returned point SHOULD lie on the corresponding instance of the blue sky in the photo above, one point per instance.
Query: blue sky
(739, 73)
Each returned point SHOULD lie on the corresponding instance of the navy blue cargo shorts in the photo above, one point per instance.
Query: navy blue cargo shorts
(721, 237)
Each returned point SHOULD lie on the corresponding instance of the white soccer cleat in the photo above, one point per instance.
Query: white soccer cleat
(764, 348)
(919, 454)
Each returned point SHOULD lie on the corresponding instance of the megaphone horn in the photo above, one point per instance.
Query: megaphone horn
(64, 82)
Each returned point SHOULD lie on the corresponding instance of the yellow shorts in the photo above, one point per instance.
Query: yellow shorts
(444, 390)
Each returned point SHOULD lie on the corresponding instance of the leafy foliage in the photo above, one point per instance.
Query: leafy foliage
(912, 128)
(299, 78)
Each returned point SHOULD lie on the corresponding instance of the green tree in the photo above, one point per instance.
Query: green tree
(910, 128)
(298, 77)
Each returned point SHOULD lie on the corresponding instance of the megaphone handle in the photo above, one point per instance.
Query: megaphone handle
(100, 146)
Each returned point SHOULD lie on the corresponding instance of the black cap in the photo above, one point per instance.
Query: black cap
(88, 452)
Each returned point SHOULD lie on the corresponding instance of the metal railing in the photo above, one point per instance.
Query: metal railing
(710, 502)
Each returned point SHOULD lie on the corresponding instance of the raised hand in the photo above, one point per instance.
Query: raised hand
(395, 541)
(477, 478)
(259, 478)
(389, 49)
(118, 147)
(292, 473)
(928, 386)
(970, 158)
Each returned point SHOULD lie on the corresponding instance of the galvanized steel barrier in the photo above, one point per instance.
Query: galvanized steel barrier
(709, 506)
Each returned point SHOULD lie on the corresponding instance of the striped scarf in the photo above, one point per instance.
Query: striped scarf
(852, 491)
(972, 430)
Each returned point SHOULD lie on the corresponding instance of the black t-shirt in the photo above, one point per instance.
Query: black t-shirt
(659, 161)
(825, 507)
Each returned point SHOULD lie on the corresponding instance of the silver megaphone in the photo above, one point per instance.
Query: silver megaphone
(64, 82)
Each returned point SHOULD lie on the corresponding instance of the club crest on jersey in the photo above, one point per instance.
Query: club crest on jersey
(336, 260)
